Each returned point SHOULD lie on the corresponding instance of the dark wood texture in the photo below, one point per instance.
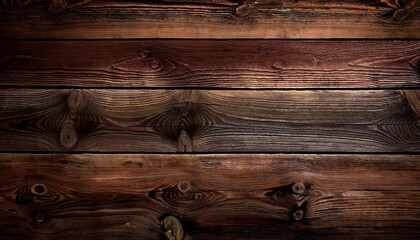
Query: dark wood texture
(205, 64)
(209, 120)
(87, 92)
(101, 196)
(212, 19)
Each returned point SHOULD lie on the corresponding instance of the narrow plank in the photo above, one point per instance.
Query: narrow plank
(56, 195)
(211, 64)
(330, 234)
(209, 120)
(212, 19)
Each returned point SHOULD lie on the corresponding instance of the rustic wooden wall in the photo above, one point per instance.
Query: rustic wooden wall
(290, 119)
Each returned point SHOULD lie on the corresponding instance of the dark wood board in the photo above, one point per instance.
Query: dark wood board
(211, 64)
(210, 19)
(107, 120)
(214, 196)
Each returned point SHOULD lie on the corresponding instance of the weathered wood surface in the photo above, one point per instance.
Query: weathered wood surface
(206, 64)
(210, 19)
(209, 120)
(100, 195)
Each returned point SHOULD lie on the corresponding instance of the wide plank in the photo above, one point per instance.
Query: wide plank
(211, 64)
(115, 19)
(133, 120)
(127, 195)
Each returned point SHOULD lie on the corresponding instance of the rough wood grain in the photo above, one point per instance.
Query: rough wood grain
(211, 64)
(213, 19)
(95, 195)
(209, 120)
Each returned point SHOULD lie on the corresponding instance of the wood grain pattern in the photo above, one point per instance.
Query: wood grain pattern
(213, 19)
(211, 64)
(101, 195)
(209, 120)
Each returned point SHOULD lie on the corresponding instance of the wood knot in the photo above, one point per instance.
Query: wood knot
(391, 3)
(298, 215)
(293, 194)
(184, 142)
(143, 54)
(39, 189)
(184, 187)
(401, 14)
(299, 188)
(172, 228)
(68, 135)
(40, 217)
(244, 9)
(155, 64)
(74, 100)
(58, 6)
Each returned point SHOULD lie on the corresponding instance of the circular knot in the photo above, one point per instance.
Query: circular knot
(39, 189)
(298, 188)
(40, 217)
(298, 215)
(184, 187)
(57, 6)
(143, 54)
(244, 9)
(401, 14)
(155, 64)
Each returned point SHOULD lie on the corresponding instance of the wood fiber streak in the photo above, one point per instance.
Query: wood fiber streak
(213, 19)
(211, 64)
(209, 120)
(124, 195)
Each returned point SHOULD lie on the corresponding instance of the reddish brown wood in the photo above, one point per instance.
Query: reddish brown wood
(209, 120)
(211, 64)
(98, 195)
(212, 19)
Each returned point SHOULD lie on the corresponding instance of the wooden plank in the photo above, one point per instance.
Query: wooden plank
(125, 195)
(330, 234)
(212, 19)
(211, 64)
(108, 120)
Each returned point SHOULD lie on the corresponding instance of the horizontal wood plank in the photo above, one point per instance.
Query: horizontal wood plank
(211, 19)
(125, 195)
(211, 64)
(209, 120)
